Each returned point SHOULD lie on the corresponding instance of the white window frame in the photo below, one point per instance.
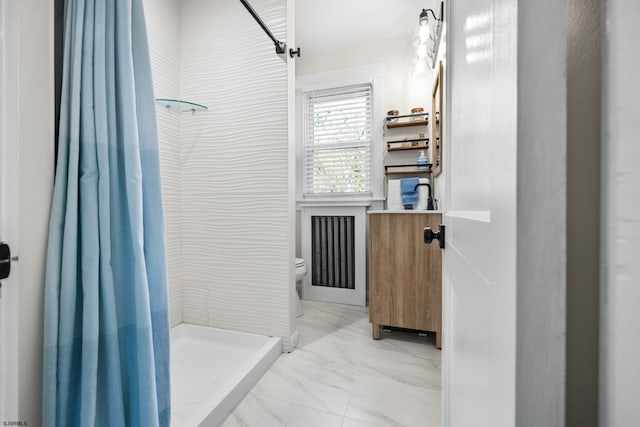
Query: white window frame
(314, 143)
(371, 73)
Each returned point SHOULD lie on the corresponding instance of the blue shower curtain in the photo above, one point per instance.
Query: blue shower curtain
(106, 339)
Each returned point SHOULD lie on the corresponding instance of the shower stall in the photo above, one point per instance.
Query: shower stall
(227, 188)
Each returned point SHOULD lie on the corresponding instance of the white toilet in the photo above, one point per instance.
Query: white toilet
(301, 271)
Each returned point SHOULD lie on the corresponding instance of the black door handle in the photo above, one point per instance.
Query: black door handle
(429, 235)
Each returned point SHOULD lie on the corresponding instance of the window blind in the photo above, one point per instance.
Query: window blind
(337, 141)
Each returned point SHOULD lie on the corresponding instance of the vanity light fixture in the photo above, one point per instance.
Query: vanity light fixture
(424, 15)
(427, 41)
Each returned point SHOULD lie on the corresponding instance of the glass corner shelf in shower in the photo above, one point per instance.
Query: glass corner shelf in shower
(180, 106)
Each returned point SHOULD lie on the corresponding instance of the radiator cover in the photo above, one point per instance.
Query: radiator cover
(333, 251)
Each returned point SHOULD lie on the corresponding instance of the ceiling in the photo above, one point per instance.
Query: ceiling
(324, 25)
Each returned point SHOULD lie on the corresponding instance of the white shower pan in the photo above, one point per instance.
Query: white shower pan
(212, 370)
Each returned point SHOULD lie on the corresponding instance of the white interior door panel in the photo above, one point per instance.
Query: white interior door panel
(479, 261)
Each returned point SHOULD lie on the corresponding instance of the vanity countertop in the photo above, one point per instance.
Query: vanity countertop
(402, 211)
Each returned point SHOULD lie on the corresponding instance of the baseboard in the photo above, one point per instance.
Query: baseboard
(291, 343)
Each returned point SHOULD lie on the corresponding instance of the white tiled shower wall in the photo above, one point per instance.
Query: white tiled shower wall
(163, 28)
(226, 193)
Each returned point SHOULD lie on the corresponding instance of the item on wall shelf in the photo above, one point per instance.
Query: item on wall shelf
(391, 114)
(408, 144)
(422, 161)
(419, 119)
(415, 111)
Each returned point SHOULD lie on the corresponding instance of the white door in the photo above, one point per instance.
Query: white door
(479, 194)
(8, 211)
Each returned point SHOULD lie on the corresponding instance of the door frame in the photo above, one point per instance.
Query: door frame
(9, 188)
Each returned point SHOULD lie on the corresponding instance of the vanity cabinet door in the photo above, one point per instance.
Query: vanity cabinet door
(404, 273)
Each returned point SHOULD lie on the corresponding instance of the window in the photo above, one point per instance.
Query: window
(337, 141)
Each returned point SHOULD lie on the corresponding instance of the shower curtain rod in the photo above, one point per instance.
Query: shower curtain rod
(280, 46)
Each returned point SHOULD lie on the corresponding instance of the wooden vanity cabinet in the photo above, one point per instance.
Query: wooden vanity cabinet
(405, 274)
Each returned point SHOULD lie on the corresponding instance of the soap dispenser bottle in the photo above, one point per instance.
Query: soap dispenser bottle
(422, 161)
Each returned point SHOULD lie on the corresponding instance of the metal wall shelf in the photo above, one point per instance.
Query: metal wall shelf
(388, 169)
(421, 144)
(420, 119)
(413, 147)
(419, 122)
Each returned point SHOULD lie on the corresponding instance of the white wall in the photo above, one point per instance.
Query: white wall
(361, 34)
(402, 91)
(163, 28)
(225, 170)
(36, 136)
(235, 203)
(291, 131)
(620, 290)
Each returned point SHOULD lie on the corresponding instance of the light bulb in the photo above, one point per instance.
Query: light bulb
(421, 51)
(423, 33)
(424, 18)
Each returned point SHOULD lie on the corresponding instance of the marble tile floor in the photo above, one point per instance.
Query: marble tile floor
(340, 376)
